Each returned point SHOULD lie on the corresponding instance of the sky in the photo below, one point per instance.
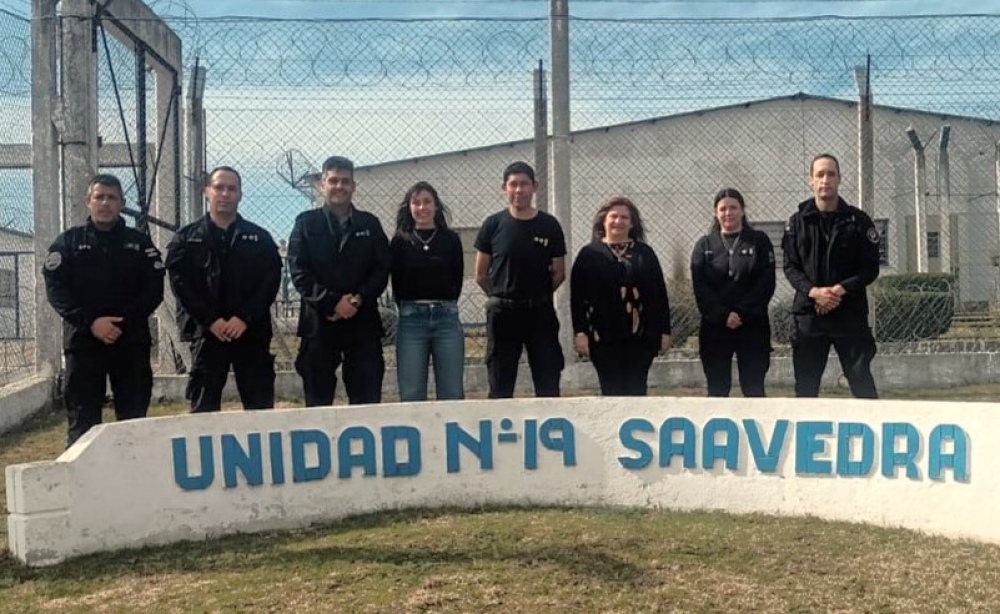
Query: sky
(629, 9)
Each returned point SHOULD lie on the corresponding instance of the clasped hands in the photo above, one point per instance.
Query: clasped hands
(827, 299)
(346, 308)
(228, 330)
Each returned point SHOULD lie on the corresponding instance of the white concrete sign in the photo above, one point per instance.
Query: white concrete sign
(923, 465)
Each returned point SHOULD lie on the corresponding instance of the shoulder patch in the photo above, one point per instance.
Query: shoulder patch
(873, 235)
(52, 261)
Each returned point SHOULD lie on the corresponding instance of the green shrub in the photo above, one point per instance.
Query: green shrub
(913, 306)
(684, 316)
(782, 322)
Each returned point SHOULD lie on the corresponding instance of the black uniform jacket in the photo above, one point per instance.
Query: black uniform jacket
(747, 291)
(213, 281)
(91, 274)
(847, 254)
(326, 263)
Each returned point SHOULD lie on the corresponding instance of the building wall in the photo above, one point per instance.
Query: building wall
(672, 167)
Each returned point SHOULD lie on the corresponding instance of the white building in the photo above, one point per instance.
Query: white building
(672, 167)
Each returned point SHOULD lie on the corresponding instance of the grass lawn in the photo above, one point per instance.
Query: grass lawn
(519, 560)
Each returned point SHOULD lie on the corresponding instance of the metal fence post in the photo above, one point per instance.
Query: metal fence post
(541, 140)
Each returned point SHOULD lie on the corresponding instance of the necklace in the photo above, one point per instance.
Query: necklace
(619, 250)
(425, 242)
(731, 248)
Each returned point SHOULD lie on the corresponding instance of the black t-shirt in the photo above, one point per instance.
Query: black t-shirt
(521, 254)
(431, 274)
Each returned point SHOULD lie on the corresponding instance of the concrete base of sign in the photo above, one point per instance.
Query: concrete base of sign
(155, 481)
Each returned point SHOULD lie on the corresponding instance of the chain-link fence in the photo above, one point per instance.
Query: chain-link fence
(17, 278)
(665, 112)
(747, 104)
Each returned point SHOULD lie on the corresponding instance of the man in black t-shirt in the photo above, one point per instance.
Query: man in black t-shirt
(520, 261)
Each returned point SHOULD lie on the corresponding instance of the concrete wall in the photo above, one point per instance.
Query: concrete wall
(124, 485)
(892, 372)
(905, 371)
(21, 400)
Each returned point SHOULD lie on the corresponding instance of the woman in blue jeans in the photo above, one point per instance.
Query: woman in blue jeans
(427, 269)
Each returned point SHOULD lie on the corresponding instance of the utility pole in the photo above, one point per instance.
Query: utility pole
(559, 185)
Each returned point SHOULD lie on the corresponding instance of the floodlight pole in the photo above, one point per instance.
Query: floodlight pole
(944, 199)
(919, 172)
(866, 147)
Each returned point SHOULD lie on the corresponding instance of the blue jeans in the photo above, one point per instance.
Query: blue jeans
(425, 332)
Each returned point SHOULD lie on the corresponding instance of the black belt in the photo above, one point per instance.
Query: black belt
(518, 303)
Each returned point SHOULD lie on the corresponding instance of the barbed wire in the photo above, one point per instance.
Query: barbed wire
(386, 90)
(713, 54)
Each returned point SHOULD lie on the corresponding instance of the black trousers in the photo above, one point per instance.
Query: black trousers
(752, 347)
(253, 366)
(360, 352)
(855, 351)
(87, 375)
(622, 368)
(511, 330)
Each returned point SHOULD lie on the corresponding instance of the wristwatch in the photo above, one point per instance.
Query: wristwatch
(355, 301)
